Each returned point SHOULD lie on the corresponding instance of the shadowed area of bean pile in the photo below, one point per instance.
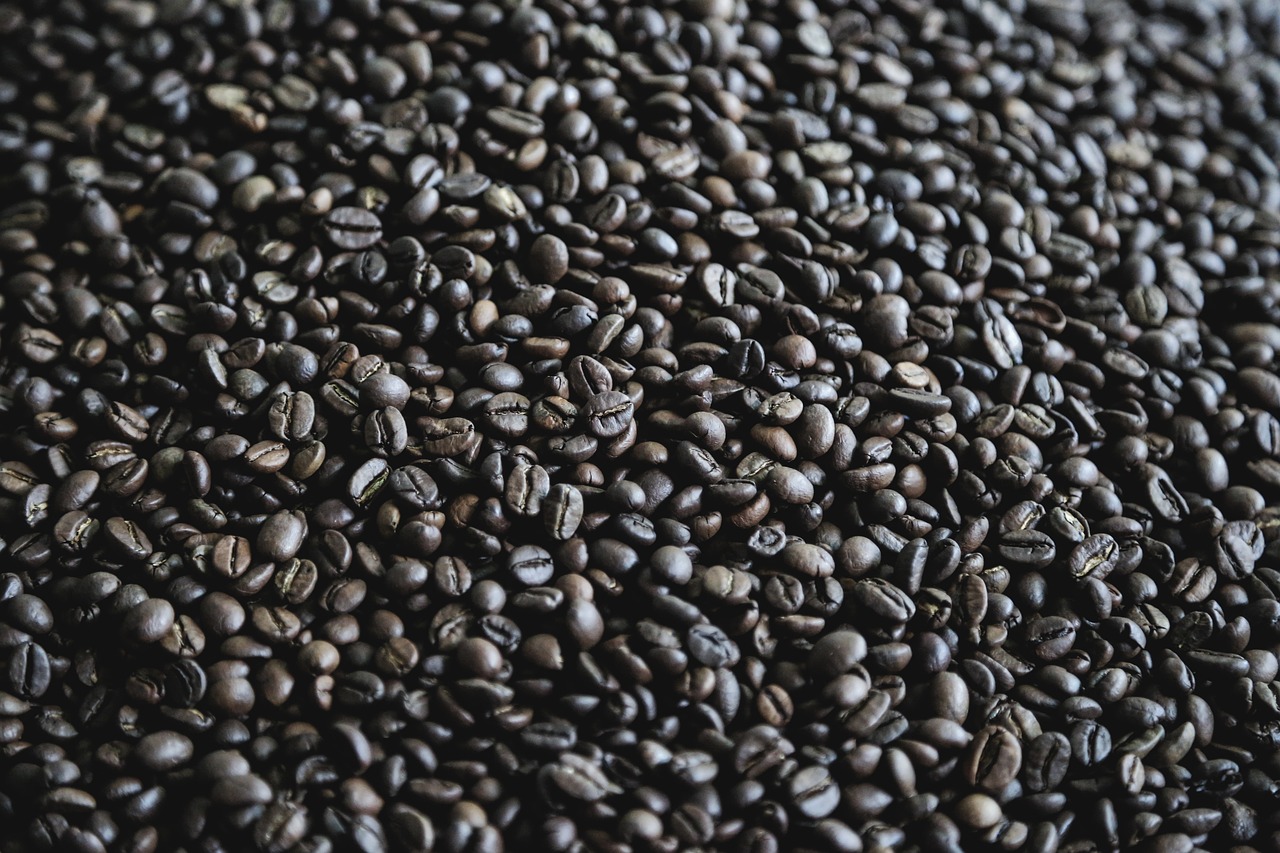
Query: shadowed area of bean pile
(590, 426)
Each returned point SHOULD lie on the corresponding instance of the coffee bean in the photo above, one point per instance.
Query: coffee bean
(185, 684)
(507, 414)
(127, 538)
(577, 778)
(449, 437)
(1090, 742)
(230, 556)
(190, 186)
(881, 600)
(814, 792)
(267, 456)
(1095, 557)
(281, 535)
(386, 433)
(608, 413)
(1027, 548)
(1051, 637)
(148, 621)
(352, 228)
(837, 653)
(292, 416)
(588, 377)
(1045, 761)
(367, 481)
(531, 565)
(1237, 549)
(549, 257)
(26, 612)
(711, 647)
(163, 751)
(414, 487)
(1166, 501)
(29, 671)
(993, 759)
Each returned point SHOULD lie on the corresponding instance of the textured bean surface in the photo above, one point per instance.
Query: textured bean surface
(678, 425)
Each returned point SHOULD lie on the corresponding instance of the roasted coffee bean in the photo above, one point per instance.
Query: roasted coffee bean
(1050, 637)
(507, 414)
(837, 653)
(449, 437)
(1090, 742)
(352, 228)
(367, 481)
(26, 612)
(386, 433)
(1027, 548)
(148, 621)
(415, 488)
(281, 535)
(577, 778)
(814, 792)
(164, 750)
(608, 413)
(531, 565)
(882, 600)
(185, 684)
(993, 759)
(127, 538)
(291, 416)
(710, 646)
(267, 457)
(526, 488)
(230, 556)
(1095, 557)
(29, 671)
(1045, 761)
(562, 511)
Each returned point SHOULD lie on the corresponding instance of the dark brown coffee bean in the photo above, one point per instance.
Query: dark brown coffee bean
(814, 792)
(1045, 761)
(230, 556)
(881, 600)
(352, 228)
(149, 621)
(162, 751)
(578, 778)
(1027, 548)
(608, 413)
(1051, 637)
(449, 437)
(531, 565)
(837, 653)
(1095, 557)
(282, 535)
(29, 671)
(267, 456)
(127, 538)
(993, 759)
(291, 416)
(507, 414)
(367, 481)
(385, 432)
(526, 488)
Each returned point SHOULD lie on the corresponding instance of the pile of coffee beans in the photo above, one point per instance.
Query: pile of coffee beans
(594, 426)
